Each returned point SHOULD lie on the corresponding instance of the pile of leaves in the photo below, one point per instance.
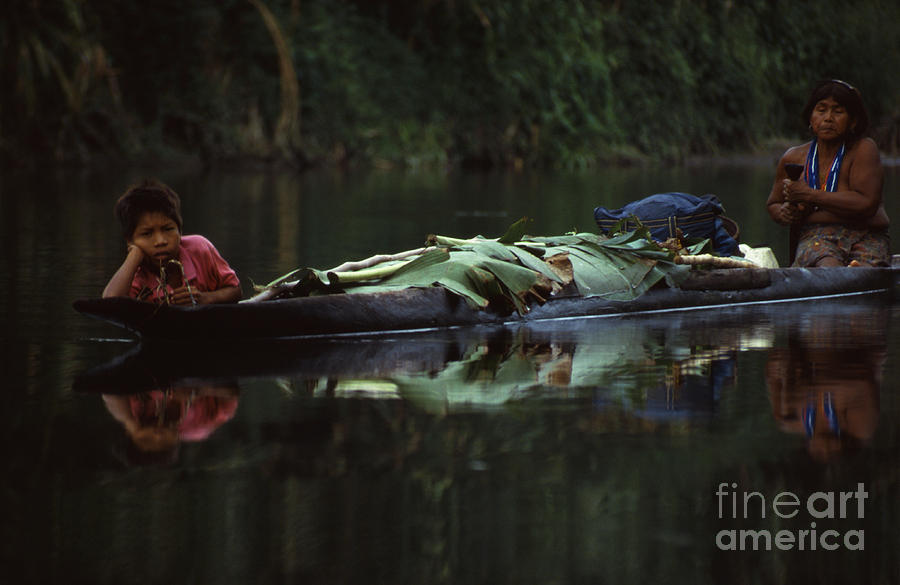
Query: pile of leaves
(507, 273)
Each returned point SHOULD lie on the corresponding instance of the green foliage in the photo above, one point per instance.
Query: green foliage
(487, 82)
(507, 274)
(361, 87)
(525, 82)
(60, 93)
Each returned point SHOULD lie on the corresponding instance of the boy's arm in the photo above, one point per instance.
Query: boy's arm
(214, 272)
(120, 283)
(226, 294)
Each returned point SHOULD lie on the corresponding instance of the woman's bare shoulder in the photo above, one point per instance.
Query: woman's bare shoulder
(864, 154)
(796, 153)
(865, 147)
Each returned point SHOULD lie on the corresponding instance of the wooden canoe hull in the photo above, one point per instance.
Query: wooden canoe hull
(413, 309)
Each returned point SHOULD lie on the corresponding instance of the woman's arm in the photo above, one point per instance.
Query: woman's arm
(120, 283)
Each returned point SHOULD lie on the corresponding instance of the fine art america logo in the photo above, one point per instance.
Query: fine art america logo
(742, 506)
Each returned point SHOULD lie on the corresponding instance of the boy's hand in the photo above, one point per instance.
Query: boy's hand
(135, 253)
(120, 283)
(181, 296)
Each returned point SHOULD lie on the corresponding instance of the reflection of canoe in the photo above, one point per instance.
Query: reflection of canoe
(151, 365)
(422, 308)
(655, 366)
(467, 364)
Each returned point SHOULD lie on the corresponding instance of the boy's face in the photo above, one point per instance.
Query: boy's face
(158, 237)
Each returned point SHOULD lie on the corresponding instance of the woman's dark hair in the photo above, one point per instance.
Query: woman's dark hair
(846, 95)
(147, 196)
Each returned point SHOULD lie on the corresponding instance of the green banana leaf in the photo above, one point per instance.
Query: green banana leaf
(511, 271)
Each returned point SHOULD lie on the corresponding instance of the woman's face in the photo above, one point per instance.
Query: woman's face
(830, 120)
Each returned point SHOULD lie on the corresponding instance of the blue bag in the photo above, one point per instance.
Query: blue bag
(663, 213)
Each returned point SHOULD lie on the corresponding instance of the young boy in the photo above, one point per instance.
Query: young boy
(150, 216)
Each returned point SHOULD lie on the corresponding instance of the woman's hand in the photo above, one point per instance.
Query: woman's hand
(792, 213)
(797, 192)
(797, 202)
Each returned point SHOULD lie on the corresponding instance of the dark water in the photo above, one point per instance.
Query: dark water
(572, 451)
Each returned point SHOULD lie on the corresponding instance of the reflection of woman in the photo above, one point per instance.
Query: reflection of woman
(156, 422)
(827, 385)
(835, 209)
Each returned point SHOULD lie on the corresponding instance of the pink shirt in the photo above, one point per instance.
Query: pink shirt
(204, 269)
(196, 418)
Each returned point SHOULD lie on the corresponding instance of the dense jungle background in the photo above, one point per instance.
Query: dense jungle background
(512, 83)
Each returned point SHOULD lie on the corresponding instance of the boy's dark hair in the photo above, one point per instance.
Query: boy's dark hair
(846, 95)
(146, 196)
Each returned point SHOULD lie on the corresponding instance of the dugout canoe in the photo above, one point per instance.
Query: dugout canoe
(425, 308)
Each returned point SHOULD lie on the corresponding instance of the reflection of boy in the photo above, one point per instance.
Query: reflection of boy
(156, 422)
(161, 264)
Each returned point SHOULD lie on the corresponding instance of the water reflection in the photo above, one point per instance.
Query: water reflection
(156, 422)
(555, 449)
(648, 366)
(826, 383)
(655, 368)
(641, 368)
(823, 367)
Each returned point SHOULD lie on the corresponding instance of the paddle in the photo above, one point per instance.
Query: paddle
(793, 171)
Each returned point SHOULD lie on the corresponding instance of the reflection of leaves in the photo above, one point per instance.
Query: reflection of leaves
(480, 379)
(626, 364)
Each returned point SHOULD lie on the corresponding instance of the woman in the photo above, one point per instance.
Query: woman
(835, 209)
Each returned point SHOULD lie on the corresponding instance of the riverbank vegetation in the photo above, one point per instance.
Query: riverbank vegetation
(471, 82)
